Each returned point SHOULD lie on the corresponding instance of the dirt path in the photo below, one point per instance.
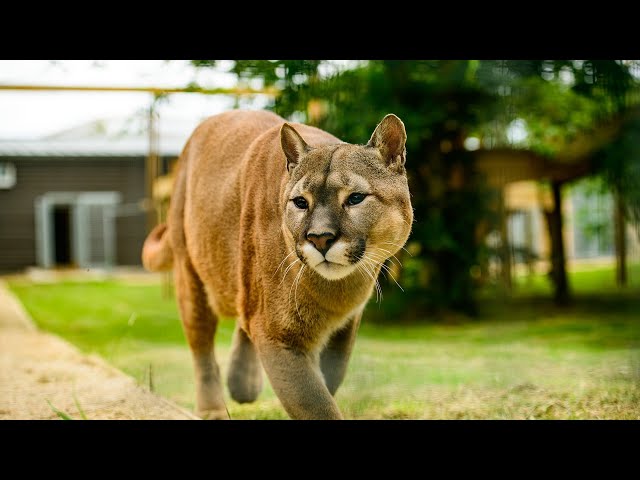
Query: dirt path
(36, 366)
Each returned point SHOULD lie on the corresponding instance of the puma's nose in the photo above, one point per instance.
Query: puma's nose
(322, 241)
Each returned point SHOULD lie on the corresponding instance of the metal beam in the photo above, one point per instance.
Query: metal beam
(271, 91)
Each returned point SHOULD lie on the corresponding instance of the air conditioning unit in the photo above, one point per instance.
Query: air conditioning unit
(7, 175)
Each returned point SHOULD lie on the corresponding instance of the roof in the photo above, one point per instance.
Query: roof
(129, 147)
(122, 136)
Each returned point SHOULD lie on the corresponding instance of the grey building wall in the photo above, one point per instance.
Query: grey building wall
(36, 176)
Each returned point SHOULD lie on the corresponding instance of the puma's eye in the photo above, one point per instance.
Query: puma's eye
(301, 203)
(355, 198)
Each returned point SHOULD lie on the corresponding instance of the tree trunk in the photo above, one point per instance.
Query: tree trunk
(620, 241)
(558, 261)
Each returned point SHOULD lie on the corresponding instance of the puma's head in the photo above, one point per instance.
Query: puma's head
(347, 207)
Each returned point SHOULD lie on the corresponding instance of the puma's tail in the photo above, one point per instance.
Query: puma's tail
(157, 255)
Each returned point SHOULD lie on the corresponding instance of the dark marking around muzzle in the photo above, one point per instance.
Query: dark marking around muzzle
(355, 252)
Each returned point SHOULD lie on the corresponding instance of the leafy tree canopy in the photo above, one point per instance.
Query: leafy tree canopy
(563, 110)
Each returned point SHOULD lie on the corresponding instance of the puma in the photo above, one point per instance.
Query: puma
(285, 228)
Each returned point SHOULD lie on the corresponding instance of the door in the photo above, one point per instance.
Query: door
(76, 228)
(96, 228)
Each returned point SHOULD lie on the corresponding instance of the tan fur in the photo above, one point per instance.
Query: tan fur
(240, 248)
(156, 254)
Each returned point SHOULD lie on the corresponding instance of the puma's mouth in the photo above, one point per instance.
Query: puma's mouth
(329, 263)
(332, 270)
(334, 265)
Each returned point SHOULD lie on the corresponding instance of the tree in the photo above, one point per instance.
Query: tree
(443, 103)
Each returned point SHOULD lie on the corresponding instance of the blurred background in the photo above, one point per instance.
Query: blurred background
(517, 295)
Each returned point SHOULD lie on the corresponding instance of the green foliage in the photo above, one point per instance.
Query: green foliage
(560, 100)
(442, 102)
(553, 114)
(620, 164)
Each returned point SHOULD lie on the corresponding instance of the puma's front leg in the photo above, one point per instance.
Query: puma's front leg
(334, 359)
(295, 377)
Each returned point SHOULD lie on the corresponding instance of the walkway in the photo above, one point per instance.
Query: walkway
(36, 367)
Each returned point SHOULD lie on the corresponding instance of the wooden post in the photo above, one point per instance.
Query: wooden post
(151, 169)
(529, 245)
(620, 241)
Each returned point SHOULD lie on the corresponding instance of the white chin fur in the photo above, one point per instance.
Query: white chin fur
(333, 268)
(333, 271)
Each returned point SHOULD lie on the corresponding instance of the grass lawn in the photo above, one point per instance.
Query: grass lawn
(523, 359)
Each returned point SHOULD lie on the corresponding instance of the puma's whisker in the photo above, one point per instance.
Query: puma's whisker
(391, 255)
(282, 262)
(399, 246)
(384, 267)
(295, 293)
(370, 264)
(289, 267)
(371, 275)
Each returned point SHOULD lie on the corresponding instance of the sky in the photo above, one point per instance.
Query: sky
(30, 115)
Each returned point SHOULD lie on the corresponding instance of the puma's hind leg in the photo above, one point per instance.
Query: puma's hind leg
(199, 324)
(245, 372)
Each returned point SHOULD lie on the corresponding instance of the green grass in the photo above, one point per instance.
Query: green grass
(524, 358)
(588, 280)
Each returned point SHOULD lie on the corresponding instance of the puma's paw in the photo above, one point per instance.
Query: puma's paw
(244, 389)
(213, 414)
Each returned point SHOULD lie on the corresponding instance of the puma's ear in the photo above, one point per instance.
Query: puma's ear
(293, 145)
(389, 138)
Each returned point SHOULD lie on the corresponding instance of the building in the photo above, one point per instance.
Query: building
(536, 220)
(588, 228)
(76, 198)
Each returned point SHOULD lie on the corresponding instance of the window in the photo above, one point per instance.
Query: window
(7, 175)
